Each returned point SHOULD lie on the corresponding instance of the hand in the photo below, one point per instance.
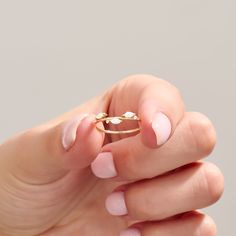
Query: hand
(150, 183)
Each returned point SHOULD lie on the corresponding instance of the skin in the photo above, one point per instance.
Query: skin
(47, 190)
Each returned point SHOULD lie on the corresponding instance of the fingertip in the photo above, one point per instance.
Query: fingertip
(87, 144)
(69, 131)
(156, 126)
(103, 166)
(161, 126)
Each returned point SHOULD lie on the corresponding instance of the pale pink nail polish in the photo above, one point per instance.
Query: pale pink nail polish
(115, 204)
(130, 232)
(69, 131)
(103, 166)
(162, 127)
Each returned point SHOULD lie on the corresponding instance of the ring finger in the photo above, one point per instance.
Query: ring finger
(192, 187)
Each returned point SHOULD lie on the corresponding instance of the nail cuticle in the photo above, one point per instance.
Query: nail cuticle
(69, 131)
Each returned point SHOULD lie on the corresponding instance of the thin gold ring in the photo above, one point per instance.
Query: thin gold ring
(102, 116)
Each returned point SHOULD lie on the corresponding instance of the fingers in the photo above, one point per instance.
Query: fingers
(130, 159)
(193, 187)
(85, 144)
(192, 223)
(156, 102)
(160, 108)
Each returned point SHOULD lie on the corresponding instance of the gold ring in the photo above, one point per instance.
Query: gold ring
(102, 116)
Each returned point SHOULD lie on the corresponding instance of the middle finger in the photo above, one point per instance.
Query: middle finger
(129, 159)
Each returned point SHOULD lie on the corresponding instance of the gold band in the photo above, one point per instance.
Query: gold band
(101, 117)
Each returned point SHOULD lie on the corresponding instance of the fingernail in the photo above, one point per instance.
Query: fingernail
(130, 232)
(69, 131)
(115, 204)
(103, 166)
(162, 127)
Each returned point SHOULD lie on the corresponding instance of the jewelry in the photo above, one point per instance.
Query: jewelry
(116, 120)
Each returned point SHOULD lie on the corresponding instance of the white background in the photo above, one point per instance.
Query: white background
(55, 54)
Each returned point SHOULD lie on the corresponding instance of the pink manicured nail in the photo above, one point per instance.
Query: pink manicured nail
(103, 166)
(162, 127)
(115, 204)
(69, 131)
(130, 232)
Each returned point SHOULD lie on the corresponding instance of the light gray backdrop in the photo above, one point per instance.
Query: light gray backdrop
(55, 54)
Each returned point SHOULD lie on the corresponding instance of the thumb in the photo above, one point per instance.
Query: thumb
(81, 142)
(48, 151)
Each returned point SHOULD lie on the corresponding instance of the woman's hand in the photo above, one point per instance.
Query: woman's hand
(66, 178)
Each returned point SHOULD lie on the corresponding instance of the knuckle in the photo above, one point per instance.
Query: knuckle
(173, 97)
(154, 79)
(138, 209)
(140, 212)
(139, 78)
(127, 165)
(208, 227)
(134, 207)
(141, 205)
(168, 92)
(176, 93)
(214, 182)
(202, 132)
